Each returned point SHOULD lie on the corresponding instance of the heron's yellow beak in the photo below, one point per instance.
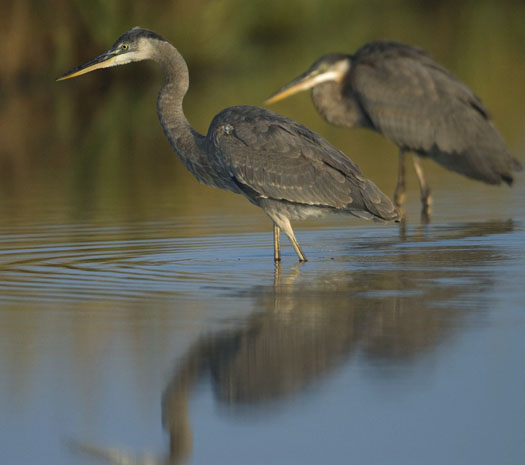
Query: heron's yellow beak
(105, 60)
(304, 82)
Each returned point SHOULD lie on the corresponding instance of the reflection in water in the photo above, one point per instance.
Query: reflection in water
(387, 316)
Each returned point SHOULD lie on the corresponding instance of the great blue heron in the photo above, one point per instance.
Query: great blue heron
(398, 91)
(276, 163)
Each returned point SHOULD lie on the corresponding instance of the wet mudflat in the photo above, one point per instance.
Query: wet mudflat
(178, 341)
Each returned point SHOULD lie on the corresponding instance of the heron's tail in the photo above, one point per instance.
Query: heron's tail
(516, 166)
(379, 204)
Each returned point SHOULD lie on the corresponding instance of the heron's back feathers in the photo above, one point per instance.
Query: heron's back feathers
(423, 108)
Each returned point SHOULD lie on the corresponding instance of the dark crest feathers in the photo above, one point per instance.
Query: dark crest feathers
(137, 33)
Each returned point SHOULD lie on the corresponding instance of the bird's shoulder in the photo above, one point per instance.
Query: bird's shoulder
(258, 127)
(380, 51)
(398, 66)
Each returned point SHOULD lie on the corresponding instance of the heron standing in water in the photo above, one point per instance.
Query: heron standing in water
(398, 91)
(276, 163)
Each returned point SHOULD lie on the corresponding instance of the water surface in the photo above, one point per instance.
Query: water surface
(134, 339)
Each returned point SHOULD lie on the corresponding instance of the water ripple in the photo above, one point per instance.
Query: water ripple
(62, 264)
(74, 263)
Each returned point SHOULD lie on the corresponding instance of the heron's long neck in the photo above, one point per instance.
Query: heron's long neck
(338, 106)
(189, 145)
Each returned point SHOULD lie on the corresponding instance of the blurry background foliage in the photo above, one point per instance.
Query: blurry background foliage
(98, 137)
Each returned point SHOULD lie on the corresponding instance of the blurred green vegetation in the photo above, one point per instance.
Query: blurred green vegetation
(97, 138)
(224, 37)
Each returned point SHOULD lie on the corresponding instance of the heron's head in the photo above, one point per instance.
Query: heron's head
(135, 45)
(331, 67)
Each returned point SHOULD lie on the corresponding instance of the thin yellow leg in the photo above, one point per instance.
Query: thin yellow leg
(276, 243)
(284, 224)
(298, 251)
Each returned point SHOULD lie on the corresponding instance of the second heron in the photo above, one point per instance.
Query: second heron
(400, 92)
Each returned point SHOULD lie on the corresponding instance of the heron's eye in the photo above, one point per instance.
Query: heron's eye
(124, 46)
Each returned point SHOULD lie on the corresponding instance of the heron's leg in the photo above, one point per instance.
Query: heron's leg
(400, 192)
(297, 247)
(426, 198)
(276, 243)
(283, 223)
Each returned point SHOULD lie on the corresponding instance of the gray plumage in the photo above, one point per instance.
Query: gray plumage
(271, 158)
(400, 92)
(278, 164)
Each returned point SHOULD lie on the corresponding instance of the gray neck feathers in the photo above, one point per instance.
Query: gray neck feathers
(338, 105)
(189, 145)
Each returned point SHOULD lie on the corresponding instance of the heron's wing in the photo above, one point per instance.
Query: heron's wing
(422, 107)
(271, 156)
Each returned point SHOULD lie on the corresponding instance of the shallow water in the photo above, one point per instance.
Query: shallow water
(177, 340)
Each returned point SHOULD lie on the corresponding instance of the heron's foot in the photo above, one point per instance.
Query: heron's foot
(400, 192)
(402, 226)
(403, 215)
(297, 248)
(425, 216)
(399, 196)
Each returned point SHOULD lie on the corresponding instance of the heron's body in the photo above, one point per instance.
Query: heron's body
(400, 92)
(278, 164)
